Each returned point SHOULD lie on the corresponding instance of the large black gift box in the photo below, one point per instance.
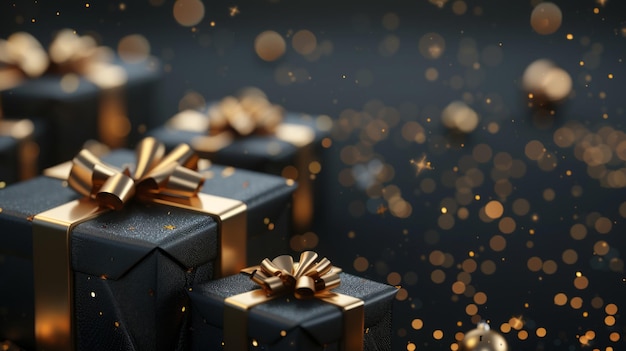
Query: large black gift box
(286, 323)
(132, 268)
(296, 154)
(73, 116)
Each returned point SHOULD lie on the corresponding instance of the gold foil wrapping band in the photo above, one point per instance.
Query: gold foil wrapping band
(307, 278)
(54, 329)
(53, 272)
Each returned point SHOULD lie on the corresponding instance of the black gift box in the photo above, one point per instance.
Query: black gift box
(72, 117)
(267, 153)
(133, 267)
(286, 323)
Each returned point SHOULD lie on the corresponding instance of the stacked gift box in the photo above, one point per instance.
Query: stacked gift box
(143, 250)
(248, 131)
(76, 90)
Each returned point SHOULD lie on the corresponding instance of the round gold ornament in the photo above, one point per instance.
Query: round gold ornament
(483, 339)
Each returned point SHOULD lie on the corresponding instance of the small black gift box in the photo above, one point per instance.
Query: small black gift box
(285, 322)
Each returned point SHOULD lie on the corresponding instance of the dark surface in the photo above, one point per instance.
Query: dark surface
(357, 84)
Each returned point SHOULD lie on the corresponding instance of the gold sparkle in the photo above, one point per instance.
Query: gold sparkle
(381, 209)
(233, 11)
(169, 227)
(421, 165)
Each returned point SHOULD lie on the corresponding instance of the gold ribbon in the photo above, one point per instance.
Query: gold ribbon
(305, 279)
(168, 180)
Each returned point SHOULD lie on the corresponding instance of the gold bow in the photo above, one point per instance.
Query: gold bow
(172, 176)
(23, 56)
(250, 112)
(306, 278)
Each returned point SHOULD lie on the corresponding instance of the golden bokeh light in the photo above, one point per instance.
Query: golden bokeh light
(545, 80)
(460, 117)
(188, 13)
(560, 299)
(270, 45)
(417, 324)
(546, 18)
(432, 45)
(133, 48)
(494, 209)
(611, 309)
(303, 42)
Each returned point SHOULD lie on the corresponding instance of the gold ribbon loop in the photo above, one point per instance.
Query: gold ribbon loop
(116, 191)
(154, 175)
(249, 113)
(304, 279)
(147, 153)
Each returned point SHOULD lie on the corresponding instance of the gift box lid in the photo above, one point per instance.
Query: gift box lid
(49, 86)
(322, 321)
(258, 149)
(111, 244)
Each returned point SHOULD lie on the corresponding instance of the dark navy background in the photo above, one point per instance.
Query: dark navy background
(218, 60)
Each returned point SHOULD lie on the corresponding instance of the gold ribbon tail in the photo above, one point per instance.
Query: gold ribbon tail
(53, 274)
(235, 318)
